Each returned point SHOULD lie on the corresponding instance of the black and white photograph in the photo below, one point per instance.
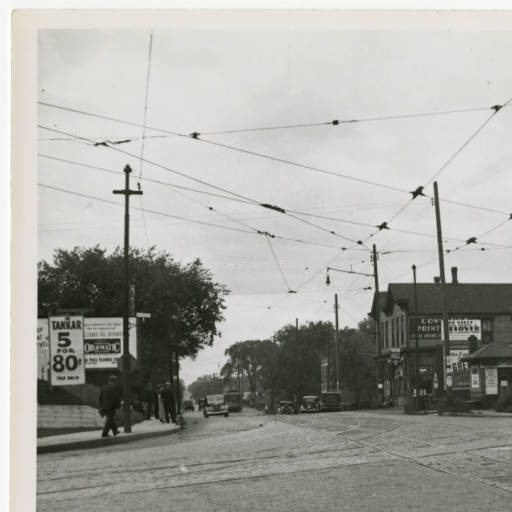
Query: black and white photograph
(266, 260)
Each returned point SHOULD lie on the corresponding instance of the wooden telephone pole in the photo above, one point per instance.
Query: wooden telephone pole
(126, 296)
(446, 335)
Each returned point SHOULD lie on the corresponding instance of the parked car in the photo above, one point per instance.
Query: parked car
(331, 401)
(215, 406)
(286, 407)
(310, 403)
(188, 405)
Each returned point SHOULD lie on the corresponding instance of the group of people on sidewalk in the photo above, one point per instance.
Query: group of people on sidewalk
(158, 402)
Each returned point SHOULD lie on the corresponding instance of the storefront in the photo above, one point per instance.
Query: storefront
(412, 337)
(490, 369)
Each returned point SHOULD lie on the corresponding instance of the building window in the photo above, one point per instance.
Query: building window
(402, 330)
(487, 328)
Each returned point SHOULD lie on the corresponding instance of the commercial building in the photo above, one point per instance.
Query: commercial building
(479, 317)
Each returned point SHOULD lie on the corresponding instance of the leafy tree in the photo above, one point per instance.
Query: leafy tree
(184, 301)
(244, 355)
(299, 357)
(357, 360)
(206, 385)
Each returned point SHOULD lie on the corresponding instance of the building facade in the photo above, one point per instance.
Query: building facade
(478, 315)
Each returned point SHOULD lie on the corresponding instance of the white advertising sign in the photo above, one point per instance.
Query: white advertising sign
(454, 360)
(475, 378)
(103, 341)
(491, 381)
(460, 329)
(43, 349)
(67, 350)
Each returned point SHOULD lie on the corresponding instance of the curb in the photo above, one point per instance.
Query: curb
(102, 442)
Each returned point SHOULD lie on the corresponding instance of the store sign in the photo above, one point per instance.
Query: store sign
(431, 328)
(458, 369)
(394, 354)
(43, 349)
(460, 329)
(491, 381)
(103, 341)
(454, 361)
(66, 349)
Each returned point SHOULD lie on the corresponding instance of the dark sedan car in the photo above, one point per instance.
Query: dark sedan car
(215, 406)
(310, 403)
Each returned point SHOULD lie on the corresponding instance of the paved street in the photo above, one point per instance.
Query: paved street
(333, 461)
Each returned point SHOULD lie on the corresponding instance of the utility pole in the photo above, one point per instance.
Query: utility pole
(446, 335)
(126, 296)
(377, 320)
(416, 341)
(336, 341)
(296, 355)
(178, 401)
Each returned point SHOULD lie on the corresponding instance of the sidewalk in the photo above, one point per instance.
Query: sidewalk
(93, 439)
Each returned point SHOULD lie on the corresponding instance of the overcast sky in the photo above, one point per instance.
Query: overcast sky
(211, 81)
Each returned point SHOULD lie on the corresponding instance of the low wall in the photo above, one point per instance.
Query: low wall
(65, 416)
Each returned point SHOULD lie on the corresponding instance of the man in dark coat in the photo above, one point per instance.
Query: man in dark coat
(110, 400)
(151, 401)
(168, 400)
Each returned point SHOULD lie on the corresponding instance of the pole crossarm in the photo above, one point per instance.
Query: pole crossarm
(126, 191)
(350, 272)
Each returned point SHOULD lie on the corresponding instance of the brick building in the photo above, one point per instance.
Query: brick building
(479, 314)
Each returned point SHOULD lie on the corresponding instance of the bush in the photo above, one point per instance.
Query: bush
(451, 404)
(504, 403)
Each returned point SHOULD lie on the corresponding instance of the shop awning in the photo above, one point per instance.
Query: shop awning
(495, 350)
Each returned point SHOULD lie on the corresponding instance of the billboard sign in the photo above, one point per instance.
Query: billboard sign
(491, 381)
(460, 329)
(458, 369)
(43, 349)
(431, 328)
(103, 341)
(66, 335)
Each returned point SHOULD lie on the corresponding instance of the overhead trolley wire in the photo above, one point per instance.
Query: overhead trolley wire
(149, 180)
(278, 265)
(156, 212)
(419, 191)
(141, 161)
(196, 136)
(476, 239)
(298, 164)
(168, 169)
(249, 230)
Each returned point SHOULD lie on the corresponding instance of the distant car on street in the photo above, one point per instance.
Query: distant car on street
(286, 407)
(310, 403)
(215, 406)
(233, 400)
(188, 405)
(331, 401)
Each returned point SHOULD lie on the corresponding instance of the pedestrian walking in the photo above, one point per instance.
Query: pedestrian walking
(168, 403)
(160, 401)
(110, 400)
(149, 402)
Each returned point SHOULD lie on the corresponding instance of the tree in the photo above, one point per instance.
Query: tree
(184, 301)
(357, 360)
(245, 355)
(299, 357)
(206, 385)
